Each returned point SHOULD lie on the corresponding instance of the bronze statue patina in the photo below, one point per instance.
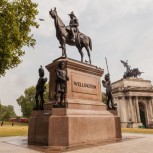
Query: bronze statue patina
(40, 89)
(130, 72)
(73, 25)
(61, 85)
(107, 84)
(70, 34)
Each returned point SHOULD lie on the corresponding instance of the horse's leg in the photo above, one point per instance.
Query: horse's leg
(63, 52)
(61, 43)
(80, 51)
(64, 47)
(88, 52)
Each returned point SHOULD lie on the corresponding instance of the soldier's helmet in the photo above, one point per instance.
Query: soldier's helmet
(107, 76)
(41, 72)
(61, 64)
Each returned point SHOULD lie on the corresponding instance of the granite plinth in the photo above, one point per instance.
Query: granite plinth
(38, 128)
(84, 80)
(68, 127)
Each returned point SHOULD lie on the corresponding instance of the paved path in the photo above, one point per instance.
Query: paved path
(15, 145)
(138, 143)
(132, 143)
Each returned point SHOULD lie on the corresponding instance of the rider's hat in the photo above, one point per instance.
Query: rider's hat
(72, 14)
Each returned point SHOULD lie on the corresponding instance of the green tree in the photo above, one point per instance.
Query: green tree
(17, 17)
(6, 112)
(0, 112)
(27, 101)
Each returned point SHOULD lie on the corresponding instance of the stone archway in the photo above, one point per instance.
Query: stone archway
(142, 110)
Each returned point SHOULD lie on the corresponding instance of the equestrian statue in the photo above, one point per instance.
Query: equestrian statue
(71, 35)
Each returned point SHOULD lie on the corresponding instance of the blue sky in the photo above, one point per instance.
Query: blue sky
(119, 29)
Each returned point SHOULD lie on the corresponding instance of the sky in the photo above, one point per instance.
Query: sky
(119, 29)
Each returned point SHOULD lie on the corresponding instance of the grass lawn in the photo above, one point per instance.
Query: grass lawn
(18, 129)
(137, 130)
(21, 129)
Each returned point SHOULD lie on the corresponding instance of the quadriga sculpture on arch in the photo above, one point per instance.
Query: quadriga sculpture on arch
(70, 35)
(130, 72)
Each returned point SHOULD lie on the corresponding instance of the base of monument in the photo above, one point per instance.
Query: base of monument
(84, 120)
(69, 127)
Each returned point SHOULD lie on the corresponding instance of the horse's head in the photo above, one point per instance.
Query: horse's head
(53, 13)
(57, 19)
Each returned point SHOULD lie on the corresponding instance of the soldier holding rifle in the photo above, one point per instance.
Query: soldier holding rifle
(107, 84)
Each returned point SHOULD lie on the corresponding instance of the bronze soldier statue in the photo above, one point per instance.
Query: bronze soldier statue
(107, 84)
(40, 89)
(61, 84)
(73, 25)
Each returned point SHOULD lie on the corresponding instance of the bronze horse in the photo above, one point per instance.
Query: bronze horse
(62, 34)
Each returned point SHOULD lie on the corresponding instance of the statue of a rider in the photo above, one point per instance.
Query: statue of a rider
(71, 35)
(73, 25)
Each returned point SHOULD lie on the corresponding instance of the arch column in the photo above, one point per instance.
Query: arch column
(138, 111)
(131, 109)
(121, 109)
(118, 107)
(151, 107)
(125, 115)
(150, 113)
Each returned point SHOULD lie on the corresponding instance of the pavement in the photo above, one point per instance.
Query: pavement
(130, 143)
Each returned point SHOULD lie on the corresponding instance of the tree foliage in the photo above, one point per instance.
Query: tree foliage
(6, 112)
(16, 19)
(27, 101)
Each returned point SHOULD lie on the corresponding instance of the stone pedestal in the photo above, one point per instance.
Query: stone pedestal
(68, 127)
(38, 127)
(85, 118)
(84, 81)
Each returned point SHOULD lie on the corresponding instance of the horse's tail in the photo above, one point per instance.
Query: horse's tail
(90, 43)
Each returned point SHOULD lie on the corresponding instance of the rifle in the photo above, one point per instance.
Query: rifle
(107, 66)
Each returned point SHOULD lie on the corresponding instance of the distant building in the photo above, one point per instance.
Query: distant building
(134, 98)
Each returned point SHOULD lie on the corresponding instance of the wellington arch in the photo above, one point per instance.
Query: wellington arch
(134, 98)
